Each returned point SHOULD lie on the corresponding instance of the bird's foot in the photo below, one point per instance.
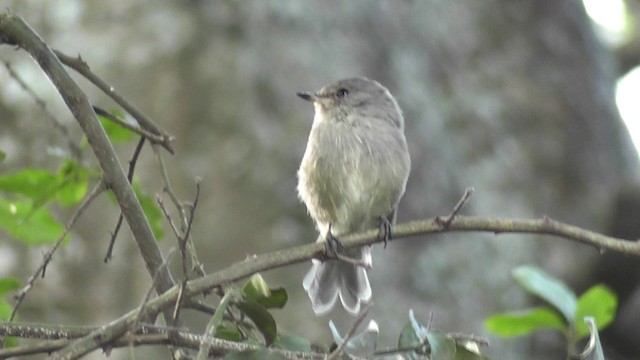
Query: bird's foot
(384, 230)
(333, 247)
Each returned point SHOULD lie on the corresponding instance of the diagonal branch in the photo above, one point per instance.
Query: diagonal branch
(13, 30)
(145, 122)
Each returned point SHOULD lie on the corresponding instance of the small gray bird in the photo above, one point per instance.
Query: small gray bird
(352, 176)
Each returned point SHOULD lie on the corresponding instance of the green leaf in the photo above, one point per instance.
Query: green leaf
(33, 227)
(292, 343)
(68, 186)
(256, 289)
(5, 314)
(115, 132)
(151, 210)
(228, 333)
(218, 315)
(8, 285)
(443, 347)
(262, 354)
(412, 334)
(74, 181)
(5, 310)
(463, 353)
(3, 155)
(33, 183)
(524, 322)
(261, 318)
(598, 302)
(549, 288)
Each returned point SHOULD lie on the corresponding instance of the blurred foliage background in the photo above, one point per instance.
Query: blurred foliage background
(512, 97)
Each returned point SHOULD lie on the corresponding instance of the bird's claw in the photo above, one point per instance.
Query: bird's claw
(333, 247)
(384, 230)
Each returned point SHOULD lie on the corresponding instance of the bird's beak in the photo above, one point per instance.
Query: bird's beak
(307, 96)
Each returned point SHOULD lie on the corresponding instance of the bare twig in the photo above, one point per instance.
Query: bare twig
(147, 296)
(132, 167)
(77, 64)
(182, 242)
(153, 138)
(446, 220)
(73, 147)
(363, 314)
(46, 257)
(182, 211)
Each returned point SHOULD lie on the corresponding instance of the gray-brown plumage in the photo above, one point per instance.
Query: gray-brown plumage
(352, 175)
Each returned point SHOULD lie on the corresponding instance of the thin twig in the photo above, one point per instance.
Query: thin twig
(132, 167)
(76, 153)
(363, 314)
(182, 210)
(446, 221)
(147, 296)
(167, 187)
(48, 256)
(79, 65)
(182, 242)
(153, 138)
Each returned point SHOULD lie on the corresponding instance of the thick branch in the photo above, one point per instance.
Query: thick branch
(14, 30)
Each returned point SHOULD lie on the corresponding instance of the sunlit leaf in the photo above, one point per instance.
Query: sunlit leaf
(549, 288)
(33, 183)
(73, 179)
(600, 303)
(524, 322)
(33, 227)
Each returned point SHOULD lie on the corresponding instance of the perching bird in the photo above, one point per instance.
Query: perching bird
(352, 176)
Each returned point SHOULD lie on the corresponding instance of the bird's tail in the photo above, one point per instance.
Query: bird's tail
(328, 280)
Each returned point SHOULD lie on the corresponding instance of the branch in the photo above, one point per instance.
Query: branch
(145, 122)
(46, 258)
(275, 259)
(61, 336)
(13, 30)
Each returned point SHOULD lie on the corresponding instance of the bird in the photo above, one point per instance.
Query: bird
(351, 178)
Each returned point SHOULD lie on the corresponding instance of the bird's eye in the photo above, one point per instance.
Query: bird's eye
(341, 93)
